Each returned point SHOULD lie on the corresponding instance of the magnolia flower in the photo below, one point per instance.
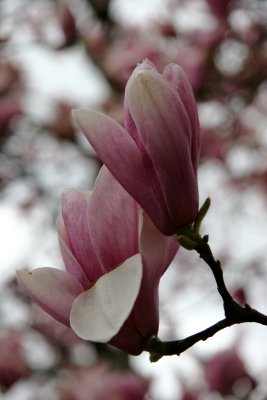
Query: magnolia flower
(155, 157)
(114, 262)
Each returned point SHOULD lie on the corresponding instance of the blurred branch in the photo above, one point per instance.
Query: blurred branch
(101, 9)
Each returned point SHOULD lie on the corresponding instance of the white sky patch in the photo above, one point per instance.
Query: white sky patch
(68, 74)
(213, 114)
(134, 12)
(242, 161)
(231, 56)
(15, 235)
(193, 16)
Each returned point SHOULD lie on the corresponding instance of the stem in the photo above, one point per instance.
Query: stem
(234, 312)
(158, 348)
(204, 251)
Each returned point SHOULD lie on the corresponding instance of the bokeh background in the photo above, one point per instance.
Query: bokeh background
(59, 55)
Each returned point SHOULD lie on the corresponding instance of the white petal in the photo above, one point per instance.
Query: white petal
(99, 313)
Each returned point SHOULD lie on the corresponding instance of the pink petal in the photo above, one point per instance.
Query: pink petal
(75, 207)
(129, 340)
(178, 79)
(157, 252)
(52, 289)
(71, 264)
(164, 129)
(113, 221)
(119, 152)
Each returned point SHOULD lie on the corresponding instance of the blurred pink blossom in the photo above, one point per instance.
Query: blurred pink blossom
(12, 359)
(99, 383)
(220, 8)
(10, 77)
(188, 396)
(67, 24)
(224, 370)
(61, 125)
(213, 146)
(240, 295)
(96, 41)
(192, 60)
(10, 109)
(121, 57)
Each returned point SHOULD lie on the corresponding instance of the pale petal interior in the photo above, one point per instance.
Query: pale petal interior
(52, 289)
(98, 313)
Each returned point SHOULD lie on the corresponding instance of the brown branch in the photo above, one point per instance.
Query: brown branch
(204, 251)
(190, 238)
(158, 348)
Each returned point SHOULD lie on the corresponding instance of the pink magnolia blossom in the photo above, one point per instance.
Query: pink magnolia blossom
(114, 262)
(155, 157)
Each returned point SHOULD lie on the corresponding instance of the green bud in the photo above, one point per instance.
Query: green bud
(201, 215)
(187, 242)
